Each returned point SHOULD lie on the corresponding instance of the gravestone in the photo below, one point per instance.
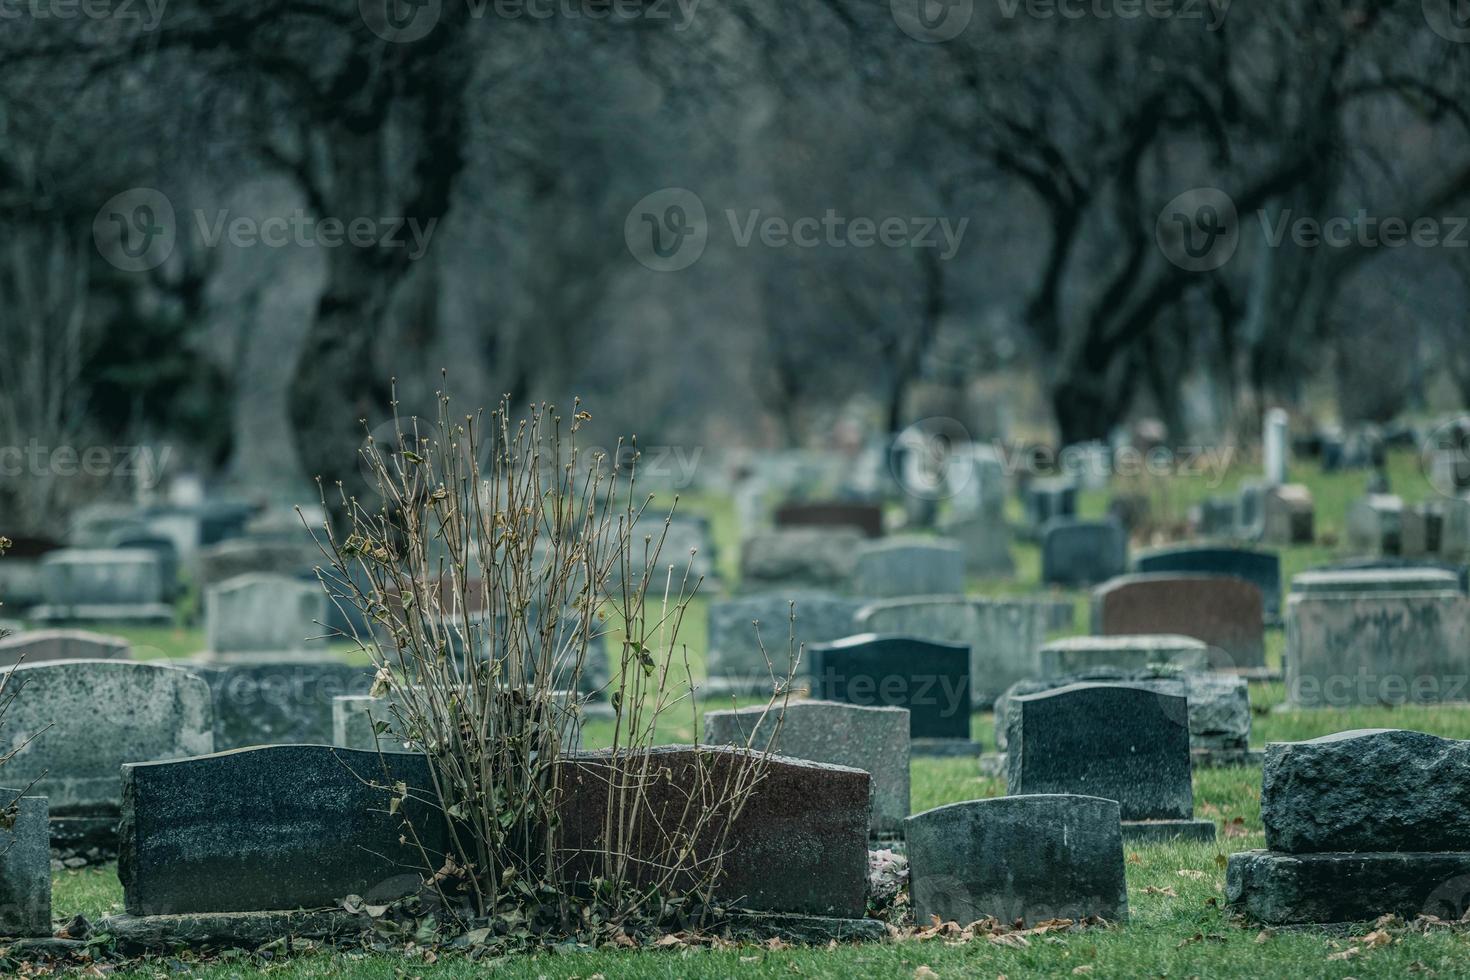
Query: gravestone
(736, 662)
(1048, 499)
(1027, 858)
(1219, 707)
(1286, 516)
(277, 700)
(75, 722)
(233, 557)
(25, 868)
(1001, 634)
(985, 541)
(1375, 525)
(1461, 573)
(36, 646)
(161, 548)
(909, 567)
(1423, 528)
(1116, 741)
(82, 585)
(873, 739)
(362, 721)
(1359, 824)
(21, 584)
(275, 827)
(258, 613)
(867, 518)
(1215, 517)
(1077, 553)
(1374, 580)
(800, 843)
(1224, 612)
(799, 558)
(1369, 648)
(1276, 446)
(1260, 568)
(1072, 654)
(931, 680)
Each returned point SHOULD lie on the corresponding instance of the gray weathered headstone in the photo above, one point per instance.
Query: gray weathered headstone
(1082, 552)
(275, 827)
(985, 540)
(1072, 654)
(242, 556)
(908, 567)
(1030, 858)
(1359, 824)
(736, 642)
(1219, 705)
(74, 722)
(1375, 524)
(1367, 790)
(1374, 580)
(277, 700)
(799, 558)
(83, 585)
(35, 646)
(260, 613)
(1116, 741)
(875, 739)
(25, 869)
(1370, 648)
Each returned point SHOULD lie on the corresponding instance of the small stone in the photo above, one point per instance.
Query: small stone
(75, 862)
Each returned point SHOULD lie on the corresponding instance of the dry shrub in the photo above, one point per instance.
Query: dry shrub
(493, 561)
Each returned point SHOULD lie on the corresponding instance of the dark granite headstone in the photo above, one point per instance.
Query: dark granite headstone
(278, 827)
(1348, 886)
(1049, 499)
(800, 843)
(25, 869)
(867, 518)
(1116, 741)
(35, 646)
(1367, 790)
(1082, 552)
(931, 680)
(1031, 858)
(1261, 568)
(1220, 610)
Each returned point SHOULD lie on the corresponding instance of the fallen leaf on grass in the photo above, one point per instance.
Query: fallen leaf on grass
(1134, 858)
(1166, 891)
(1346, 954)
(666, 940)
(1010, 939)
(1081, 971)
(1263, 936)
(1221, 861)
(924, 973)
(776, 943)
(1198, 937)
(1378, 937)
(1191, 873)
(1236, 828)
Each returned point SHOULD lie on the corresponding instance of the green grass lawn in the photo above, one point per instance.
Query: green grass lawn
(1177, 929)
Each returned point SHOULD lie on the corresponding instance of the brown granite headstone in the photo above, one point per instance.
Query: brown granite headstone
(1220, 610)
(867, 518)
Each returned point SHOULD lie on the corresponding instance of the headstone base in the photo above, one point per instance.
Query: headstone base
(1161, 831)
(1285, 889)
(145, 612)
(945, 748)
(249, 930)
